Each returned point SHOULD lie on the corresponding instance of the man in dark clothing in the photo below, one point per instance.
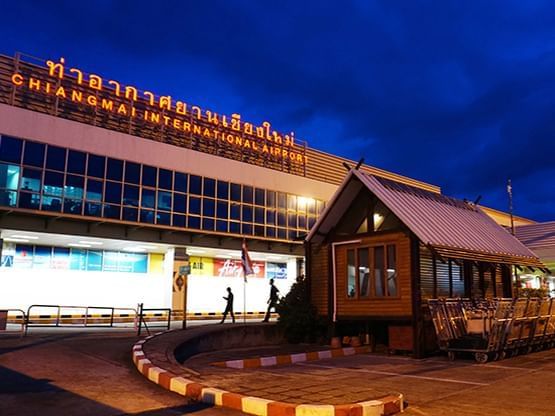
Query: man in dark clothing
(272, 301)
(228, 306)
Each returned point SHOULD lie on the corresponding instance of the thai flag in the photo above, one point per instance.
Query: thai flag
(246, 260)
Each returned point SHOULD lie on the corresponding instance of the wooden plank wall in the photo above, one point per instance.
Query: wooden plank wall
(319, 275)
(382, 307)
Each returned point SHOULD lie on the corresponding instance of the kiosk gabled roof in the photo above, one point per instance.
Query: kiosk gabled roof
(451, 227)
(537, 236)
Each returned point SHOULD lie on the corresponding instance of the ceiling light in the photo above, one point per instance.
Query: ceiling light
(134, 248)
(148, 246)
(16, 240)
(29, 237)
(93, 243)
(195, 251)
(79, 245)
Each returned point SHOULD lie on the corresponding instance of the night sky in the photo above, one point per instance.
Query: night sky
(460, 94)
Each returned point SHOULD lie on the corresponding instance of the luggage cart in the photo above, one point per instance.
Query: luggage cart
(450, 322)
(540, 337)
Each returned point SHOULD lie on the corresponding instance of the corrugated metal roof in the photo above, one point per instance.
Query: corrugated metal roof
(537, 236)
(454, 227)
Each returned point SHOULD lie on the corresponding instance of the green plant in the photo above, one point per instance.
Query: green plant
(298, 318)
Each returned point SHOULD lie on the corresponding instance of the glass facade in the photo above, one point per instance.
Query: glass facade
(50, 178)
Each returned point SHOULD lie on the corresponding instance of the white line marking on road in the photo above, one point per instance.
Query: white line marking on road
(388, 373)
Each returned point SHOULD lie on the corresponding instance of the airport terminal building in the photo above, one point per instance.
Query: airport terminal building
(108, 190)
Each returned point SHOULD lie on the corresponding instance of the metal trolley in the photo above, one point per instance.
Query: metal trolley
(493, 329)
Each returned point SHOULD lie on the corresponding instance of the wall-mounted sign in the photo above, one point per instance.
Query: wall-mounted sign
(90, 92)
(233, 268)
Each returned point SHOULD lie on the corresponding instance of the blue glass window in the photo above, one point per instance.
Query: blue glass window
(292, 220)
(165, 178)
(10, 149)
(132, 172)
(209, 187)
(259, 196)
(221, 209)
(282, 200)
(114, 170)
(178, 220)
(53, 183)
(74, 187)
(270, 199)
(282, 233)
(221, 226)
(130, 196)
(270, 217)
(236, 192)
(194, 222)
(235, 212)
(291, 202)
(247, 194)
(259, 215)
(28, 200)
(112, 211)
(73, 206)
(208, 224)
(8, 198)
(50, 203)
(130, 214)
(194, 205)
(302, 222)
(34, 154)
(112, 194)
(149, 176)
(165, 201)
(31, 180)
(94, 190)
(246, 228)
(271, 232)
(9, 176)
(181, 182)
(282, 219)
(234, 227)
(93, 209)
(180, 203)
(247, 213)
(259, 230)
(195, 184)
(56, 158)
(163, 218)
(223, 190)
(96, 166)
(148, 199)
(208, 207)
(76, 162)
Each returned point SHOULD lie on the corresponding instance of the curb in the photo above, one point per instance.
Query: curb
(291, 358)
(254, 405)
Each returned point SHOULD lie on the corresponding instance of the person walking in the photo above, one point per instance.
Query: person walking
(272, 301)
(228, 306)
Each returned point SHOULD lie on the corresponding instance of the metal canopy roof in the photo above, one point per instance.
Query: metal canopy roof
(453, 228)
(537, 236)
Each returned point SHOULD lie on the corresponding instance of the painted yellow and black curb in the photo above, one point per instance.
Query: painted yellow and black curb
(254, 405)
(269, 361)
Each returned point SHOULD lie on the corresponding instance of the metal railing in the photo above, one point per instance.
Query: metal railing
(161, 311)
(4, 329)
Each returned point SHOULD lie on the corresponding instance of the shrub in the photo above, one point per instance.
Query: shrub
(298, 318)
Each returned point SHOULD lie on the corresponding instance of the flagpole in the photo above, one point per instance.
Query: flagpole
(244, 298)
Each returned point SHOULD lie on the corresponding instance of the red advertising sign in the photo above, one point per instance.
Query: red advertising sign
(233, 268)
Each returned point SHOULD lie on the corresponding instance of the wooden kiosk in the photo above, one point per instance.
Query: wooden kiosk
(381, 249)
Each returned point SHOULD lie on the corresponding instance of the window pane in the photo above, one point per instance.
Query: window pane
(194, 205)
(363, 272)
(271, 232)
(76, 162)
(391, 271)
(56, 158)
(379, 271)
(270, 199)
(130, 196)
(73, 206)
(93, 209)
(209, 187)
(10, 149)
(147, 216)
(282, 233)
(179, 203)
(221, 226)
(31, 180)
(247, 213)
(221, 210)
(148, 199)
(259, 215)
(34, 154)
(234, 227)
(259, 196)
(74, 187)
(292, 220)
(149, 176)
(208, 207)
(223, 190)
(112, 211)
(130, 214)
(178, 220)
(270, 217)
(115, 169)
(302, 222)
(195, 185)
(351, 274)
(282, 200)
(235, 212)
(236, 192)
(180, 182)
(8, 198)
(165, 179)
(94, 190)
(50, 203)
(208, 224)
(458, 279)
(259, 230)
(311, 206)
(246, 229)
(9, 176)
(96, 166)
(247, 194)
(165, 201)
(282, 219)
(28, 200)
(163, 218)
(53, 183)
(291, 202)
(132, 172)
(194, 222)
(113, 193)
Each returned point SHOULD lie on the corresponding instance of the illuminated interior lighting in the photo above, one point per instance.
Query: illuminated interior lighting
(134, 248)
(148, 246)
(16, 240)
(195, 251)
(79, 245)
(94, 243)
(29, 237)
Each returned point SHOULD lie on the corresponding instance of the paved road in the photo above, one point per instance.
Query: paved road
(58, 372)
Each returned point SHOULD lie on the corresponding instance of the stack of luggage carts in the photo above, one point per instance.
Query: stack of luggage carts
(492, 329)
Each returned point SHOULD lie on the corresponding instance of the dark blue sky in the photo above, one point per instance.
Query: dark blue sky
(460, 94)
